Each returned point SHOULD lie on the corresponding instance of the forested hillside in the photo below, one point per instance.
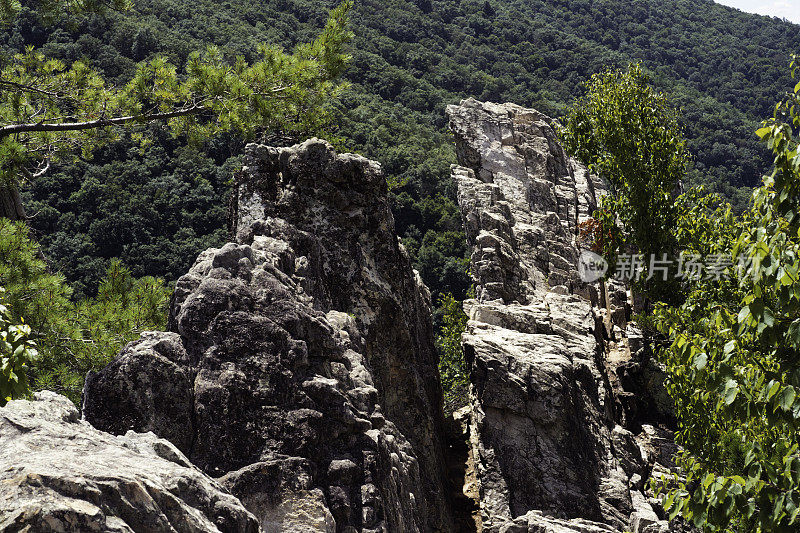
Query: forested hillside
(156, 206)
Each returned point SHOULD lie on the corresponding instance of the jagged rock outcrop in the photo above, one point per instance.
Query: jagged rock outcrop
(536, 522)
(549, 457)
(59, 474)
(296, 389)
(299, 367)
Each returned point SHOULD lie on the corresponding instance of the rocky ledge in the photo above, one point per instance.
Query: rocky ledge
(297, 388)
(543, 419)
(59, 474)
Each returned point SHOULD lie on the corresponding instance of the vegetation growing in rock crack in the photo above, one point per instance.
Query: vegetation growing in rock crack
(452, 367)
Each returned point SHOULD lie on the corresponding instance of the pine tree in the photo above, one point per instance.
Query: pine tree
(71, 337)
(50, 110)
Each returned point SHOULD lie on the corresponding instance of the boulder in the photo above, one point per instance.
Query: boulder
(60, 474)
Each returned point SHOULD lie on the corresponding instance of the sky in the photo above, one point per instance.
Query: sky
(788, 9)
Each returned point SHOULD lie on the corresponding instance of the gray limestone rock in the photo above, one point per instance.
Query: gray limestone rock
(59, 474)
(542, 409)
(536, 522)
(300, 366)
(299, 369)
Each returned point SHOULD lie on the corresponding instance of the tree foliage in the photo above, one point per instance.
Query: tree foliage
(50, 10)
(732, 352)
(452, 367)
(630, 135)
(154, 209)
(16, 353)
(49, 108)
(72, 337)
(410, 59)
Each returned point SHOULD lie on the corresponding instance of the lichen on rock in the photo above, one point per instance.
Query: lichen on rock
(544, 414)
(300, 367)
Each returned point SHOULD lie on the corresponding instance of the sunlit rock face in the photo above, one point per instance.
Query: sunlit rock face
(60, 474)
(543, 417)
(300, 367)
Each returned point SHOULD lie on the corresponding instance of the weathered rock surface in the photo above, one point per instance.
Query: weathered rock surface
(543, 411)
(59, 474)
(296, 389)
(536, 522)
(299, 367)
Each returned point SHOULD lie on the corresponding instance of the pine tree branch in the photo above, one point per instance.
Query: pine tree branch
(28, 88)
(99, 123)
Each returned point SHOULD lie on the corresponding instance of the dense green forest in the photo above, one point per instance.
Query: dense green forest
(156, 206)
(118, 223)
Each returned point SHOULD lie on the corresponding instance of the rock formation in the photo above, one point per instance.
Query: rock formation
(543, 410)
(297, 387)
(59, 474)
(299, 367)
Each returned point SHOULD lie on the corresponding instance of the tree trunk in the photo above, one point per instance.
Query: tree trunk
(11, 204)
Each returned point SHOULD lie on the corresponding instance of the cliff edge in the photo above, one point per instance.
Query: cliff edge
(544, 417)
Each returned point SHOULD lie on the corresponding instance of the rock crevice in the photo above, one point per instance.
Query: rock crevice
(300, 367)
(543, 411)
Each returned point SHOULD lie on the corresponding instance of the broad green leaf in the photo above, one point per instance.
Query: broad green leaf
(730, 346)
(730, 392)
(763, 132)
(700, 361)
(773, 389)
(787, 397)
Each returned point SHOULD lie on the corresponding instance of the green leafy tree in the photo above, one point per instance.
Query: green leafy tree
(733, 353)
(71, 337)
(452, 368)
(50, 109)
(16, 353)
(629, 134)
(50, 10)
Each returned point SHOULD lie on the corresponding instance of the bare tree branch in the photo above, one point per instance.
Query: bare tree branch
(91, 124)
(42, 171)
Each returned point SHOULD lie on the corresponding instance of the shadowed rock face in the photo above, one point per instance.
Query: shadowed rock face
(542, 410)
(59, 474)
(299, 367)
